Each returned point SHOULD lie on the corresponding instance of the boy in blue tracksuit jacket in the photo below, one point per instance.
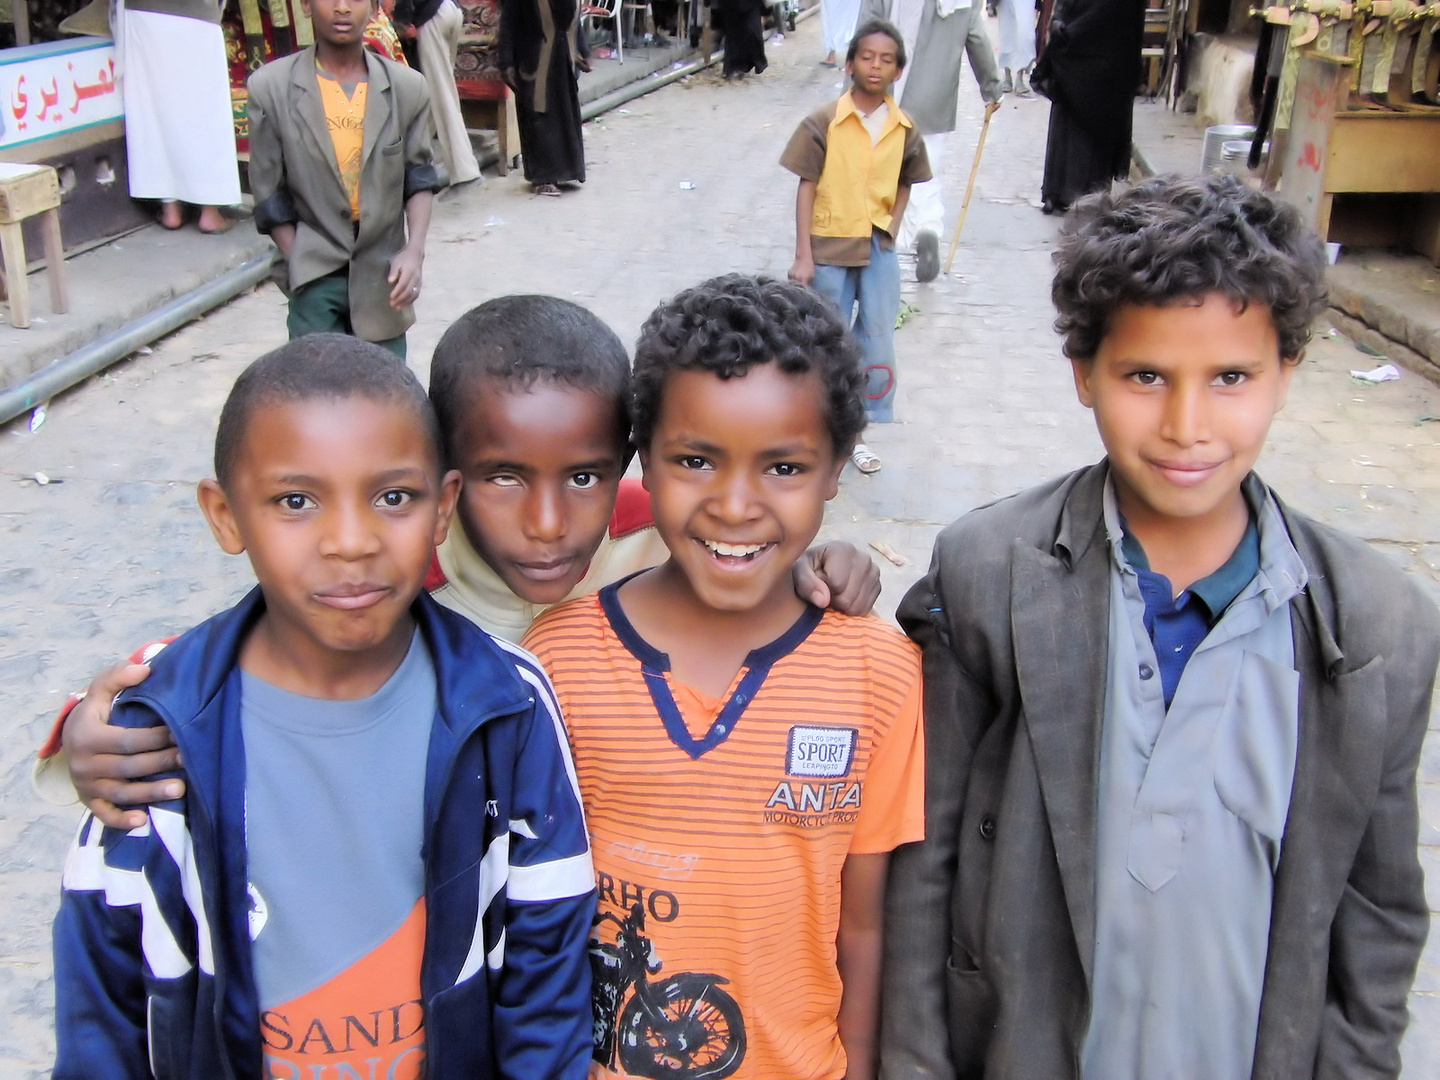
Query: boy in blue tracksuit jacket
(380, 865)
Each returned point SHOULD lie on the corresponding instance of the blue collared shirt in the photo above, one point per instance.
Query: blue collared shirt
(1177, 624)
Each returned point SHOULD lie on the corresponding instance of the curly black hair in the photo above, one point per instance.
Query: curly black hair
(325, 367)
(518, 341)
(1178, 238)
(729, 324)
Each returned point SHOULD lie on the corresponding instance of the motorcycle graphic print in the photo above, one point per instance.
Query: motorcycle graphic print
(681, 1027)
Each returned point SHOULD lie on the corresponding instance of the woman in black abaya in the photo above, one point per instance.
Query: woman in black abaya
(1089, 70)
(741, 22)
(541, 45)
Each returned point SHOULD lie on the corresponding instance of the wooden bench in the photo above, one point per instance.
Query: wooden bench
(28, 191)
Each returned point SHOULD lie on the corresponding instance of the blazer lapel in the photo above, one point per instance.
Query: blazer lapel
(1338, 771)
(377, 109)
(311, 110)
(1060, 610)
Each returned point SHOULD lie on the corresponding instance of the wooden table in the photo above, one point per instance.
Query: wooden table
(1334, 150)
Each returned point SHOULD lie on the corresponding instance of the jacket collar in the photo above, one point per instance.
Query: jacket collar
(377, 106)
(1059, 614)
(311, 108)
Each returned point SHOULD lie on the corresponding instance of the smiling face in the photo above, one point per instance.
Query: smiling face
(542, 466)
(339, 504)
(876, 65)
(1183, 396)
(739, 471)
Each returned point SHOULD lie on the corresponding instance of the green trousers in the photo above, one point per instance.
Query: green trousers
(322, 306)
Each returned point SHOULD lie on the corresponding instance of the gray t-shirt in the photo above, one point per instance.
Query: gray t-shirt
(334, 795)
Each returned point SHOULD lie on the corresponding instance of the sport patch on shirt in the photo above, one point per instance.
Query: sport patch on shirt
(820, 751)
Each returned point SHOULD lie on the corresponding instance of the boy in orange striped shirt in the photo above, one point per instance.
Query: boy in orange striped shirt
(747, 761)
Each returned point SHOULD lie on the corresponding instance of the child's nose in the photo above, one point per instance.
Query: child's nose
(1186, 418)
(350, 535)
(544, 515)
(735, 501)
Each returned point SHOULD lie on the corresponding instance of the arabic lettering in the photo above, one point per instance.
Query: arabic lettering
(49, 98)
(19, 103)
(104, 84)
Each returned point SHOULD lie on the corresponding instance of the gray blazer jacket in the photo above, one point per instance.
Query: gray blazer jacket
(990, 921)
(296, 180)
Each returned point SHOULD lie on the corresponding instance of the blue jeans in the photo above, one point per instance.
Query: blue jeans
(872, 293)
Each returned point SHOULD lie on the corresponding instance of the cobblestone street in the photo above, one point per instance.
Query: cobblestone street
(112, 550)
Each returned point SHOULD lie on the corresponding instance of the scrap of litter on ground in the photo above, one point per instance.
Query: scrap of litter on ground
(889, 553)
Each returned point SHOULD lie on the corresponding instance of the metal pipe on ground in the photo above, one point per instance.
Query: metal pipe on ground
(98, 355)
(641, 87)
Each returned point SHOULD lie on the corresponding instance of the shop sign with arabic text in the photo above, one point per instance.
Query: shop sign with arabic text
(57, 87)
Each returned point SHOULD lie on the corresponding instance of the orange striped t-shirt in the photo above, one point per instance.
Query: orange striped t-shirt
(719, 830)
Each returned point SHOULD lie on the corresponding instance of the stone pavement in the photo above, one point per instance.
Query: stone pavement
(116, 553)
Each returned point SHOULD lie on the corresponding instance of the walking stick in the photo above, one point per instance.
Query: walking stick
(970, 187)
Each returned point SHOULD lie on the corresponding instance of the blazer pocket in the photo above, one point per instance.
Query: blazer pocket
(1256, 742)
(972, 1008)
(394, 148)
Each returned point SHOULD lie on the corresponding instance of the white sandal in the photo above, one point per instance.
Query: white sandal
(865, 459)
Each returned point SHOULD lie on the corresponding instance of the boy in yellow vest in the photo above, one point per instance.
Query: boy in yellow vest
(856, 159)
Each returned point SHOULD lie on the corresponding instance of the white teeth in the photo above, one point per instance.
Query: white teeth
(733, 550)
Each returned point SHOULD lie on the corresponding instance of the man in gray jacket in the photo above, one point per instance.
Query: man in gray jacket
(936, 34)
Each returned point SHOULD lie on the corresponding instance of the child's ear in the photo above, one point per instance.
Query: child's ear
(1287, 373)
(215, 505)
(644, 455)
(1084, 371)
(450, 485)
(833, 487)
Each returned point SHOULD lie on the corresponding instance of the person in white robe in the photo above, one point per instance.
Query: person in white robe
(937, 34)
(179, 122)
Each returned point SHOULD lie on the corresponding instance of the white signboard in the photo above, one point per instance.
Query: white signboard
(56, 87)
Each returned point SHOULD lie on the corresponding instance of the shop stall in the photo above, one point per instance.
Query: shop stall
(60, 106)
(1353, 116)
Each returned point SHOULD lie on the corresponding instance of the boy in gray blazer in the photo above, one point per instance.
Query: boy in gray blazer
(1173, 725)
(341, 169)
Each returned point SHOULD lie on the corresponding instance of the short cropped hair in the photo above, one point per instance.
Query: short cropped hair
(333, 367)
(1172, 239)
(518, 341)
(729, 324)
(877, 26)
